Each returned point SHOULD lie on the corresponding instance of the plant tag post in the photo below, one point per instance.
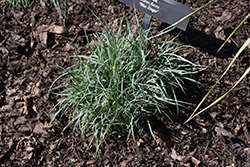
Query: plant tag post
(168, 11)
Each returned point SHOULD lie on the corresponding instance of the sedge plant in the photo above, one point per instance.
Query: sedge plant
(195, 113)
(124, 81)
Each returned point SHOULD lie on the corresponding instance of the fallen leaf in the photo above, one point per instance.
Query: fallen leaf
(10, 91)
(28, 156)
(226, 15)
(90, 162)
(24, 129)
(39, 129)
(20, 120)
(17, 39)
(36, 92)
(195, 161)
(175, 156)
(219, 33)
(68, 47)
(6, 108)
(56, 29)
(213, 114)
(17, 14)
(29, 148)
(223, 132)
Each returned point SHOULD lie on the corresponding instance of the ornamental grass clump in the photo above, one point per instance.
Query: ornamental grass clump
(124, 81)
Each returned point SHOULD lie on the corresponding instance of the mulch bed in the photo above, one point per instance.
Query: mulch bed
(34, 39)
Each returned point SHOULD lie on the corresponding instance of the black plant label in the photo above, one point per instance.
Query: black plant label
(168, 11)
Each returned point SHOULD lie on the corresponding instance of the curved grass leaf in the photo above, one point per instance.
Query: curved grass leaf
(234, 32)
(210, 91)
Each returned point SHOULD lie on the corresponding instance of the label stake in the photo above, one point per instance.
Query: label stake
(146, 21)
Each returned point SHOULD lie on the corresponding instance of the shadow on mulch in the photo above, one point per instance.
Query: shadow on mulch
(204, 42)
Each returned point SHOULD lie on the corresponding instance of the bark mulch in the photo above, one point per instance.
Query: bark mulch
(34, 39)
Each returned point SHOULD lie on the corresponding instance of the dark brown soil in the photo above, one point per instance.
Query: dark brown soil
(33, 39)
